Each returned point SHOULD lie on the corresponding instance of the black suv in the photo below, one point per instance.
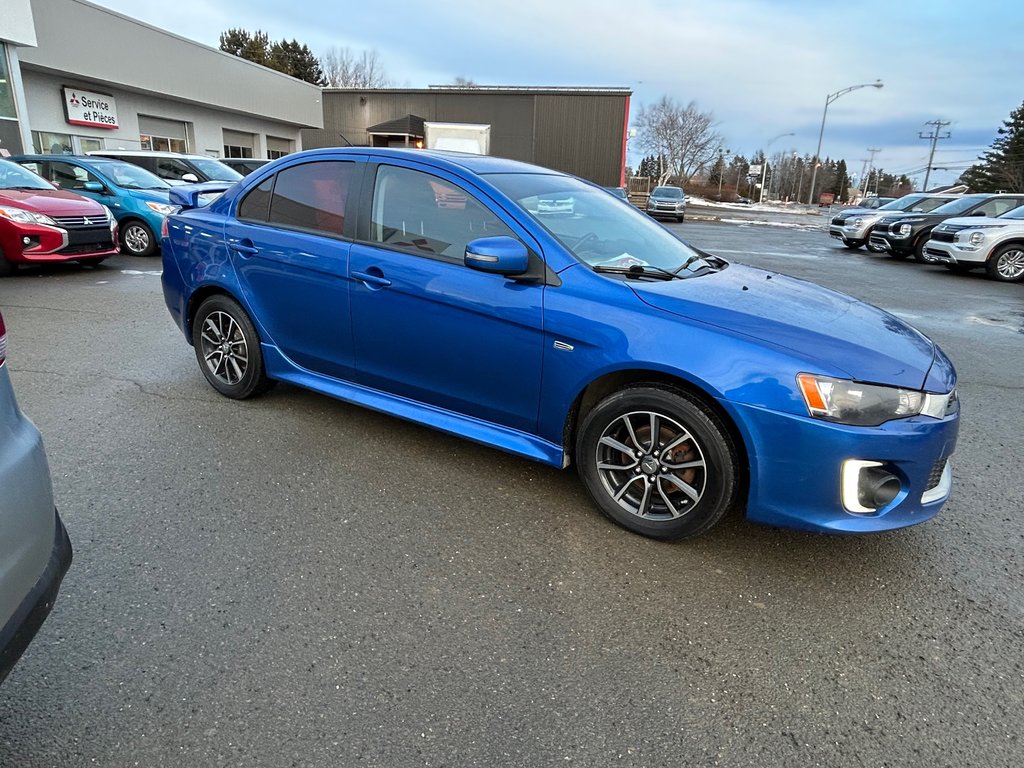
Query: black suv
(903, 234)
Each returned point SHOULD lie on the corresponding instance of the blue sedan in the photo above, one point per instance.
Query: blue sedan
(433, 287)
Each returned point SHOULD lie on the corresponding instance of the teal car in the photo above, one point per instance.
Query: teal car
(137, 198)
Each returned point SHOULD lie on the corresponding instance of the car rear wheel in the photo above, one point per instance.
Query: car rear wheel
(658, 462)
(1006, 264)
(228, 349)
(137, 239)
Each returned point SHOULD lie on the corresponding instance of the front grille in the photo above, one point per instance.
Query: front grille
(81, 221)
(840, 220)
(936, 252)
(942, 237)
(936, 474)
(85, 248)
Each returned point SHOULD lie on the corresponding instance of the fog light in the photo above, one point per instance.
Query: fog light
(867, 486)
(26, 241)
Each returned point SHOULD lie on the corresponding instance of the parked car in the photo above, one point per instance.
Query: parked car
(41, 224)
(997, 244)
(903, 234)
(35, 551)
(871, 203)
(667, 201)
(138, 199)
(853, 225)
(244, 165)
(619, 192)
(555, 205)
(742, 200)
(680, 384)
(173, 167)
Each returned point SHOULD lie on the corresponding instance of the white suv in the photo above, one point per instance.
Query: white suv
(969, 242)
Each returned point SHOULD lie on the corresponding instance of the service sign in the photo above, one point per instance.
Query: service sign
(86, 108)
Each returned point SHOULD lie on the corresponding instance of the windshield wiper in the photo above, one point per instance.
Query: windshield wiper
(638, 271)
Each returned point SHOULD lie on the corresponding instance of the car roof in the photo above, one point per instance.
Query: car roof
(478, 164)
(64, 158)
(115, 153)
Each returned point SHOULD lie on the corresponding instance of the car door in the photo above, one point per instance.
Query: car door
(73, 177)
(290, 249)
(427, 327)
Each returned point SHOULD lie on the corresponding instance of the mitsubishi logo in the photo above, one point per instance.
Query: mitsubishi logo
(74, 99)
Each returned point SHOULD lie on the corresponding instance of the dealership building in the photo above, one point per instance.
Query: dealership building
(581, 131)
(77, 77)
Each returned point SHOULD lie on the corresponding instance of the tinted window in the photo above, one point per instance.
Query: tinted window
(428, 216)
(312, 196)
(69, 176)
(999, 206)
(255, 206)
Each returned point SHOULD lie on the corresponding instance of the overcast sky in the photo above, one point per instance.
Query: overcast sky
(762, 68)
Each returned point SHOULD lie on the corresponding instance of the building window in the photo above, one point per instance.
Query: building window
(7, 107)
(238, 143)
(279, 147)
(163, 143)
(236, 151)
(52, 143)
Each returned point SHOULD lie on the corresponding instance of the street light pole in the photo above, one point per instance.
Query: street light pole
(764, 165)
(828, 100)
(721, 168)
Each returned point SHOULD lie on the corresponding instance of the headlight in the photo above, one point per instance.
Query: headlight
(26, 217)
(904, 229)
(856, 222)
(861, 405)
(162, 208)
(976, 238)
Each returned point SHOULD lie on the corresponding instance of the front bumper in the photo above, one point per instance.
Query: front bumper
(46, 244)
(849, 233)
(951, 253)
(33, 610)
(890, 243)
(796, 469)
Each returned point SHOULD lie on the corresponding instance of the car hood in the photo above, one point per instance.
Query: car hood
(153, 195)
(836, 330)
(893, 218)
(968, 222)
(661, 199)
(55, 202)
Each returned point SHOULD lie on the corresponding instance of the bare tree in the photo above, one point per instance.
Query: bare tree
(684, 136)
(464, 82)
(344, 69)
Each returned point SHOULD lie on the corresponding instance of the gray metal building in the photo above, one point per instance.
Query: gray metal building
(76, 77)
(581, 131)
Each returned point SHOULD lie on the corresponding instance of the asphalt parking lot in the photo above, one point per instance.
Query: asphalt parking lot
(294, 581)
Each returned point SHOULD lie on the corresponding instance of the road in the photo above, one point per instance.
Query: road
(293, 581)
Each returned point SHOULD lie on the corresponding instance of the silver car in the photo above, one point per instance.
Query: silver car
(35, 551)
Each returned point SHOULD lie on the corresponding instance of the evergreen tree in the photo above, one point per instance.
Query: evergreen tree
(285, 56)
(1001, 167)
(253, 47)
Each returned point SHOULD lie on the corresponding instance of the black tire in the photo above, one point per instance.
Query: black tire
(1007, 264)
(919, 255)
(137, 238)
(960, 269)
(680, 219)
(853, 245)
(656, 498)
(899, 255)
(6, 268)
(228, 349)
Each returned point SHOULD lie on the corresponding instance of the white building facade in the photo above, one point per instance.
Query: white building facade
(128, 85)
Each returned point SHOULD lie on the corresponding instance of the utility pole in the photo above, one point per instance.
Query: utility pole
(871, 165)
(934, 136)
(863, 174)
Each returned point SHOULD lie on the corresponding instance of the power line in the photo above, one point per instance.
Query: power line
(934, 137)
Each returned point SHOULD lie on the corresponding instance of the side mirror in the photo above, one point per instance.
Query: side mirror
(191, 178)
(94, 186)
(501, 255)
(55, 184)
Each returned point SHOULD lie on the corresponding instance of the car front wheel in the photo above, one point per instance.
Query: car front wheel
(853, 245)
(228, 349)
(1007, 264)
(137, 239)
(658, 462)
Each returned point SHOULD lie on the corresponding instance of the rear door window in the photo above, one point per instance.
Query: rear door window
(312, 197)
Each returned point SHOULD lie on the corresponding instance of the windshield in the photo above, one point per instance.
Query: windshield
(902, 203)
(671, 193)
(214, 169)
(13, 176)
(600, 231)
(958, 206)
(131, 176)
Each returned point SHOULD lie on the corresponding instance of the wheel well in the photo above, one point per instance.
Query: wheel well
(600, 388)
(1015, 241)
(197, 298)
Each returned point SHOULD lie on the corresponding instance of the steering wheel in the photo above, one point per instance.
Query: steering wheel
(581, 243)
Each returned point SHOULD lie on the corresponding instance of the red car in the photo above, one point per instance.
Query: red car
(41, 224)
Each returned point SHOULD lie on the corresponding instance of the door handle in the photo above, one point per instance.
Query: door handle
(371, 279)
(244, 247)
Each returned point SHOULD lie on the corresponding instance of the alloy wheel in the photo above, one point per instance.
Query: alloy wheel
(1010, 264)
(651, 466)
(136, 238)
(224, 348)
